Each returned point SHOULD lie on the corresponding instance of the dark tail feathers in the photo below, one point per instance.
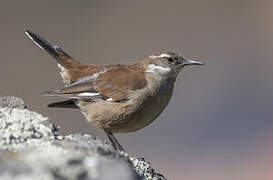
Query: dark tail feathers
(54, 51)
(63, 104)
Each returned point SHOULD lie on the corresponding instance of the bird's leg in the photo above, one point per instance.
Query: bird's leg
(114, 141)
(119, 147)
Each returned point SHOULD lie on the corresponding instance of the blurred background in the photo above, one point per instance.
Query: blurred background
(218, 124)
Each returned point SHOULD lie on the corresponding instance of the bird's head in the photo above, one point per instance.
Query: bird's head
(168, 62)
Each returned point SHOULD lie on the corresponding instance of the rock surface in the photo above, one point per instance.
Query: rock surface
(30, 148)
(12, 102)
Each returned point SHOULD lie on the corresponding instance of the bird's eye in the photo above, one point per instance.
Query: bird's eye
(170, 59)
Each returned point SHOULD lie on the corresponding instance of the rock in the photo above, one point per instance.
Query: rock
(12, 102)
(21, 129)
(53, 162)
(30, 148)
(145, 169)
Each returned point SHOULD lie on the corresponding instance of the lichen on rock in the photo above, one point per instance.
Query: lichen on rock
(21, 129)
(30, 148)
(12, 102)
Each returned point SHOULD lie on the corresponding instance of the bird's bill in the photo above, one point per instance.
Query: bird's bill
(191, 62)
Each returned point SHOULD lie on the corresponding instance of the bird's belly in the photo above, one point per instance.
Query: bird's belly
(127, 117)
(146, 112)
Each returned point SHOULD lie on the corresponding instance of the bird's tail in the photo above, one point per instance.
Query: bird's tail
(55, 51)
(63, 104)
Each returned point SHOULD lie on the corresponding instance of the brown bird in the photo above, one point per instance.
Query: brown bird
(117, 98)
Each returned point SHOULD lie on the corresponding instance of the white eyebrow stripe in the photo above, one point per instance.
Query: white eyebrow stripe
(157, 69)
(161, 56)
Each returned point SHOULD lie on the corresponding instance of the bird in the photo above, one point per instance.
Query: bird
(119, 98)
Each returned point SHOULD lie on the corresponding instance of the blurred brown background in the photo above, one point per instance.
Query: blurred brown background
(218, 124)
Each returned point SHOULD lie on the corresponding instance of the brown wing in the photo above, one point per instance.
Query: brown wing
(114, 82)
(117, 82)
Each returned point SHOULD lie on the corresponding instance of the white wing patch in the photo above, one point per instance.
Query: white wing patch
(110, 100)
(88, 94)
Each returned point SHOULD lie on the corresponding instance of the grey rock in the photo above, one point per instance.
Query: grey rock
(53, 163)
(89, 143)
(21, 129)
(12, 102)
(145, 170)
(30, 148)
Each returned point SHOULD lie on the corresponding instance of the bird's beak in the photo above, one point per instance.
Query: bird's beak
(190, 62)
